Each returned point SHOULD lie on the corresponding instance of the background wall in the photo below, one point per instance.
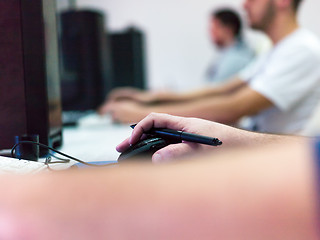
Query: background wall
(178, 47)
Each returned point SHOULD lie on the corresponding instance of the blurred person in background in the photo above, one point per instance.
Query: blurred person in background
(280, 90)
(234, 53)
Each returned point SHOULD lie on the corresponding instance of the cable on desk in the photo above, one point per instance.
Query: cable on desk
(48, 159)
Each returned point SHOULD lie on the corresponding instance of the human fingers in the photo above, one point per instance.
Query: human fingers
(144, 97)
(123, 145)
(104, 108)
(119, 93)
(107, 107)
(117, 112)
(174, 151)
(157, 120)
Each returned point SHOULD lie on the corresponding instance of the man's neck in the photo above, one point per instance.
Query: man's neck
(230, 42)
(281, 28)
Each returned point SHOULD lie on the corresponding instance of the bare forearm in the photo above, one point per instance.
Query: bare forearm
(209, 91)
(171, 97)
(225, 108)
(237, 196)
(218, 109)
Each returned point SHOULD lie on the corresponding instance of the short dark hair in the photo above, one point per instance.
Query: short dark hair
(230, 18)
(296, 4)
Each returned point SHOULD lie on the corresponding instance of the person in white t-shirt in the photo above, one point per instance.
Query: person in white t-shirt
(289, 77)
(281, 89)
(312, 128)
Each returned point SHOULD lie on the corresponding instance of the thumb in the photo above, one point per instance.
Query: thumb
(104, 108)
(173, 152)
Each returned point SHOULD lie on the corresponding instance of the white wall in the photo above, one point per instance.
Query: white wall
(178, 47)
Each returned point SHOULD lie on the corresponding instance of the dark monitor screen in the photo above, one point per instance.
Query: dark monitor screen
(41, 68)
(85, 59)
(30, 83)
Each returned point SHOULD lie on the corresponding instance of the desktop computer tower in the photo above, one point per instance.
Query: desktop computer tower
(29, 73)
(85, 60)
(128, 58)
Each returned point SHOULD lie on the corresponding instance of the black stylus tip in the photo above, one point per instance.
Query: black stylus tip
(217, 142)
(133, 126)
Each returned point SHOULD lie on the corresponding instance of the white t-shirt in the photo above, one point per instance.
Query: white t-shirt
(312, 128)
(289, 76)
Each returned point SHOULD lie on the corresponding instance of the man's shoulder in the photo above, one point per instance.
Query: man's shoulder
(302, 45)
(304, 39)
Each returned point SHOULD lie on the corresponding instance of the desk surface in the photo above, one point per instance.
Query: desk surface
(94, 140)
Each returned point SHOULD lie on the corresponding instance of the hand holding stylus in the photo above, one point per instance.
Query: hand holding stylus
(212, 130)
(179, 136)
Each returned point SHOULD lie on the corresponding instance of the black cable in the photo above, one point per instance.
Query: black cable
(61, 153)
(61, 159)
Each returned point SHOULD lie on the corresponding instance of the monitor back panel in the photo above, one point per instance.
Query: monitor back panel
(86, 66)
(12, 91)
(128, 58)
(24, 101)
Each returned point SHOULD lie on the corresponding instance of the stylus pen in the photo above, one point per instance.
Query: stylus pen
(178, 136)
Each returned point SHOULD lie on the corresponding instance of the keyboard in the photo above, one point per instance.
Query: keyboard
(16, 166)
(71, 118)
(95, 120)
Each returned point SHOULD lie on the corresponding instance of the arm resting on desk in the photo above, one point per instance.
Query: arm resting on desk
(240, 195)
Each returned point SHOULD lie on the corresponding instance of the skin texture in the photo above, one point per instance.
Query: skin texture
(231, 137)
(260, 13)
(221, 35)
(239, 194)
(265, 189)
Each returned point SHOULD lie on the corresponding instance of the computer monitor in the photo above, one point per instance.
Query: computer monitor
(128, 58)
(85, 60)
(30, 82)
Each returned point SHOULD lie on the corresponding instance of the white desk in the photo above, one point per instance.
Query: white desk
(95, 139)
